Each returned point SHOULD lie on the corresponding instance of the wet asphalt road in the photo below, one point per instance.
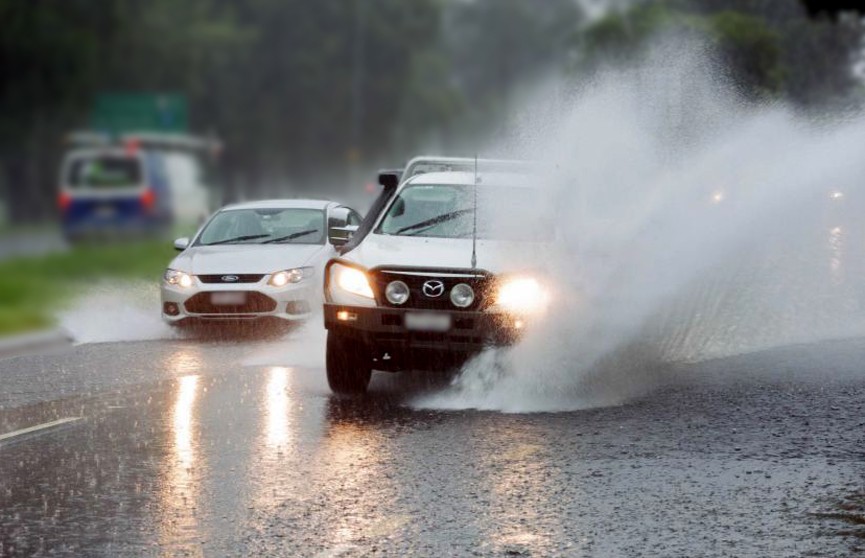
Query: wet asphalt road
(204, 448)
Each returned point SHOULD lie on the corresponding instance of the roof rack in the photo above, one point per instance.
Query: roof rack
(426, 163)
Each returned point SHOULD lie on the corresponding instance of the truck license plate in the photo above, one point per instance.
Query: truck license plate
(228, 299)
(427, 322)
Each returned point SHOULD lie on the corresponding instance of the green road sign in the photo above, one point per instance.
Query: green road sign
(139, 112)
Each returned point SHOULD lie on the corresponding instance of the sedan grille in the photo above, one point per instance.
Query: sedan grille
(230, 278)
(256, 303)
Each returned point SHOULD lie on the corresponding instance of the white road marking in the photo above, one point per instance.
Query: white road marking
(38, 428)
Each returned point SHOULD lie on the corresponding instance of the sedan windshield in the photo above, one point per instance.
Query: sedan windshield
(447, 211)
(265, 226)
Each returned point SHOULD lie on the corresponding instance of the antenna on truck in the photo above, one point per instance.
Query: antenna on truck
(475, 219)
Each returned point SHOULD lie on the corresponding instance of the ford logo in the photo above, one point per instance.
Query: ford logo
(229, 278)
(433, 288)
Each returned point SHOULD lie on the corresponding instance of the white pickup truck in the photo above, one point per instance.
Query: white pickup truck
(451, 264)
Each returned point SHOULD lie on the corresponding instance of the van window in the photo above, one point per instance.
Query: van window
(105, 172)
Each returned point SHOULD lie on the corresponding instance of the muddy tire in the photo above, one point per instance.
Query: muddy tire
(348, 363)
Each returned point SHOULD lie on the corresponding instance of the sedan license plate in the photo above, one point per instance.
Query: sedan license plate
(427, 322)
(228, 299)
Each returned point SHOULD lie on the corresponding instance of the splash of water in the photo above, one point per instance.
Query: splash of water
(692, 226)
(107, 313)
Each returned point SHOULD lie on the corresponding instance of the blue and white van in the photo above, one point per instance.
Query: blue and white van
(113, 191)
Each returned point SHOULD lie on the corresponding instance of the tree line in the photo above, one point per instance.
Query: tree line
(302, 91)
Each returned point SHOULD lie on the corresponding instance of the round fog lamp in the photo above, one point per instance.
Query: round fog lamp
(462, 295)
(396, 292)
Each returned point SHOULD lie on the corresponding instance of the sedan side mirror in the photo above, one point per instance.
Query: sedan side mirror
(339, 236)
(181, 244)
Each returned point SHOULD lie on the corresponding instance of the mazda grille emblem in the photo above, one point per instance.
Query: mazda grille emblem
(433, 288)
(229, 278)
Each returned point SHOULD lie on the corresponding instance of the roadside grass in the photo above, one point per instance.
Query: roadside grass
(33, 289)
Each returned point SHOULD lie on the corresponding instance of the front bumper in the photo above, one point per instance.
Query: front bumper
(383, 329)
(291, 303)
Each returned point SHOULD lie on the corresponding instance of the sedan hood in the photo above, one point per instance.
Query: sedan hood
(378, 250)
(244, 258)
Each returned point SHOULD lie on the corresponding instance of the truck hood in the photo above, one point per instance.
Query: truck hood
(239, 258)
(378, 250)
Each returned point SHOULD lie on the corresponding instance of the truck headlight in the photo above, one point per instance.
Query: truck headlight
(397, 292)
(349, 285)
(462, 295)
(296, 275)
(522, 295)
(177, 278)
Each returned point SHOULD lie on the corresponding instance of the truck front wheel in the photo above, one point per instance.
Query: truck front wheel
(348, 363)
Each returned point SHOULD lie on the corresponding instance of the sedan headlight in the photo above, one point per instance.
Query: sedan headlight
(177, 278)
(296, 275)
(522, 295)
(349, 285)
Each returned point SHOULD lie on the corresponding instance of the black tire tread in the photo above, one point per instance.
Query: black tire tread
(349, 367)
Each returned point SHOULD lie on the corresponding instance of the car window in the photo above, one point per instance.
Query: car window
(265, 226)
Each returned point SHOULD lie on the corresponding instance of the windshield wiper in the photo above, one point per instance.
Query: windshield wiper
(290, 236)
(237, 239)
(435, 220)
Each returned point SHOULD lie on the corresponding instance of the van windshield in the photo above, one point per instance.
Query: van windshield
(447, 211)
(105, 172)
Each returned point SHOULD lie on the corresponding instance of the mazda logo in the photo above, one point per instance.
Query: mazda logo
(433, 288)
(229, 278)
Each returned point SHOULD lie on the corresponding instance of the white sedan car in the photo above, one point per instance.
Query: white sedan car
(252, 261)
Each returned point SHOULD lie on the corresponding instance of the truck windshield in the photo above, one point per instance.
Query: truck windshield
(265, 226)
(447, 211)
(105, 172)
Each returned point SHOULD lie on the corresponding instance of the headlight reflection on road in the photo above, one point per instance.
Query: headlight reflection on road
(179, 494)
(353, 458)
(276, 406)
(183, 420)
(186, 361)
(275, 458)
